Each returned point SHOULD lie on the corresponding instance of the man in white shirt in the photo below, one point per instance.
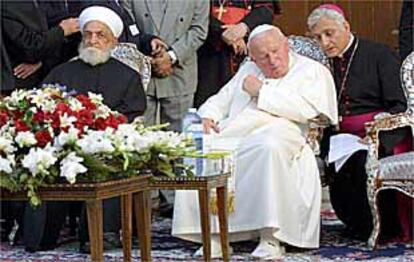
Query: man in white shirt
(267, 107)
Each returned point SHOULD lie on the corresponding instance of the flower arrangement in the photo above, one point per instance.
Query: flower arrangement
(48, 135)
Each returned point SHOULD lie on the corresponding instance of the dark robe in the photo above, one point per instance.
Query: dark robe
(216, 60)
(28, 39)
(7, 79)
(371, 85)
(119, 85)
(406, 28)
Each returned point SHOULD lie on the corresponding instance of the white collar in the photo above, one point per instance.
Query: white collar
(351, 40)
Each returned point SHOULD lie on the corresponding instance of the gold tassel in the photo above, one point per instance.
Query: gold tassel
(230, 204)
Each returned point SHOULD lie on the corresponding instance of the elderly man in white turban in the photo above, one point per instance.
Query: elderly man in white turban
(267, 107)
(96, 71)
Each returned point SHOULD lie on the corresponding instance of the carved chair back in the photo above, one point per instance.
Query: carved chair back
(128, 54)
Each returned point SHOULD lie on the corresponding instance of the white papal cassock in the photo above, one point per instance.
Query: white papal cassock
(276, 175)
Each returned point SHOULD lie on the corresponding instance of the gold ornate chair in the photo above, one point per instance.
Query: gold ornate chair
(393, 172)
(128, 54)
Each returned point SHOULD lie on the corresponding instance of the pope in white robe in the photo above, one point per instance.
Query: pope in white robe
(267, 107)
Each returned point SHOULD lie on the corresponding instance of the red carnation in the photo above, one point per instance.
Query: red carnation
(80, 126)
(39, 117)
(55, 120)
(43, 137)
(62, 108)
(21, 126)
(85, 117)
(86, 102)
(17, 114)
(122, 119)
(4, 118)
(112, 121)
(100, 124)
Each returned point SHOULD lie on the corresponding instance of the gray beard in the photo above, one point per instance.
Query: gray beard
(92, 55)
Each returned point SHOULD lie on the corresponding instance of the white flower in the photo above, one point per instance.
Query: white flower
(96, 142)
(162, 138)
(66, 120)
(38, 97)
(95, 98)
(63, 138)
(102, 111)
(48, 105)
(70, 167)
(25, 139)
(124, 138)
(6, 165)
(75, 104)
(6, 145)
(14, 99)
(39, 160)
(8, 131)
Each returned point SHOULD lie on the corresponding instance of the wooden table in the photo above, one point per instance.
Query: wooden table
(93, 194)
(203, 184)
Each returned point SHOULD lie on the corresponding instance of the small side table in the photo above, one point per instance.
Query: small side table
(203, 184)
(93, 194)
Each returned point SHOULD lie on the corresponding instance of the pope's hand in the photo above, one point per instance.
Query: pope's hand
(252, 85)
(209, 124)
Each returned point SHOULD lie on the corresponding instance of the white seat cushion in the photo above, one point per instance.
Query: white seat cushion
(397, 167)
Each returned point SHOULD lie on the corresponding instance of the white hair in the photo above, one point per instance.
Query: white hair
(93, 55)
(318, 13)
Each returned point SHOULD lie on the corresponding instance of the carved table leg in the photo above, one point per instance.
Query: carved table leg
(143, 214)
(95, 228)
(204, 202)
(222, 215)
(126, 206)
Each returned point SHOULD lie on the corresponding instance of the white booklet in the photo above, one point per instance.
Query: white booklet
(342, 146)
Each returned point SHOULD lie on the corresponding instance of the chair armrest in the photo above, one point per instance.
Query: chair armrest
(386, 123)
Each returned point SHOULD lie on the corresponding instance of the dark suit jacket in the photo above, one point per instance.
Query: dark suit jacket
(26, 37)
(406, 28)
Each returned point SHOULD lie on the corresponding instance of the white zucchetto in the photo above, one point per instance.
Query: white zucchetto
(260, 29)
(103, 15)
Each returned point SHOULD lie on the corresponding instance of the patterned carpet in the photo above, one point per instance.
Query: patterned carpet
(335, 246)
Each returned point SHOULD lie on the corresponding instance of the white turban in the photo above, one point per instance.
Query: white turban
(261, 29)
(103, 15)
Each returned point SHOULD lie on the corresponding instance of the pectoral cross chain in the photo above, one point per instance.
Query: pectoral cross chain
(220, 11)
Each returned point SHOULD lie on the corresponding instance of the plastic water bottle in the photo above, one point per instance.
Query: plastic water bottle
(192, 126)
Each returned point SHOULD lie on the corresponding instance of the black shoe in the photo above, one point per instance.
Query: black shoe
(166, 211)
(32, 249)
(111, 241)
(84, 248)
